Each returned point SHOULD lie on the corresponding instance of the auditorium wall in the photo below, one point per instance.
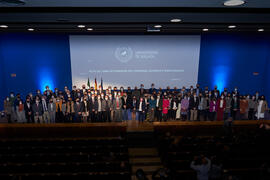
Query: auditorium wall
(31, 61)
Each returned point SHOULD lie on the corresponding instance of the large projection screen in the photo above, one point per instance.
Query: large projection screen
(130, 60)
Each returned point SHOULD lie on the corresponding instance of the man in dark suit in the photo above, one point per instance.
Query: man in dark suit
(93, 108)
(152, 89)
(215, 93)
(28, 110)
(193, 107)
(158, 111)
(78, 110)
(141, 107)
(37, 111)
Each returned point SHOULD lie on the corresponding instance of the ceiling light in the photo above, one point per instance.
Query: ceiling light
(30, 29)
(3, 26)
(81, 26)
(89, 29)
(260, 30)
(232, 26)
(157, 26)
(176, 20)
(233, 3)
(205, 29)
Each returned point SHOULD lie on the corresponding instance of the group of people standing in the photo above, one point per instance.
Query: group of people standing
(117, 105)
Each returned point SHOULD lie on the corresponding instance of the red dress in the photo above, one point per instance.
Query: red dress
(220, 109)
(165, 106)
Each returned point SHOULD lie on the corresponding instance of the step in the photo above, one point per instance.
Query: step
(145, 161)
(142, 152)
(147, 169)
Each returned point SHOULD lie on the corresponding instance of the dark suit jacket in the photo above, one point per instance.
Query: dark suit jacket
(26, 109)
(143, 105)
(93, 105)
(37, 109)
(78, 107)
(193, 104)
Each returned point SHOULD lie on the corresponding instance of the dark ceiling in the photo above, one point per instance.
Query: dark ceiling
(134, 16)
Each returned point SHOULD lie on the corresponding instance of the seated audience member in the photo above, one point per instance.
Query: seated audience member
(216, 169)
(52, 110)
(37, 111)
(202, 166)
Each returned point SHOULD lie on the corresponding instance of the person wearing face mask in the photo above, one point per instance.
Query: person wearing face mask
(134, 113)
(59, 113)
(243, 108)
(106, 109)
(93, 107)
(129, 103)
(7, 109)
(158, 112)
(64, 110)
(202, 107)
(85, 110)
(20, 112)
(38, 93)
(212, 109)
(124, 107)
(193, 107)
(221, 105)
(184, 107)
(215, 92)
(141, 109)
(70, 110)
(48, 92)
(28, 110)
(52, 110)
(37, 111)
(178, 111)
(227, 112)
(136, 93)
(78, 108)
(152, 89)
(152, 107)
(262, 108)
(165, 108)
(99, 109)
(252, 105)
(13, 112)
(235, 104)
(117, 107)
(46, 116)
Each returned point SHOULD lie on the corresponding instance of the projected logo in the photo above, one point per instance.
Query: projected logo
(123, 54)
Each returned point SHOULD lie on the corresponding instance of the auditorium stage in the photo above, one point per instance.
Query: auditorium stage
(117, 129)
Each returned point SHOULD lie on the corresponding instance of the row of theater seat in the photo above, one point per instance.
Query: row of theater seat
(64, 159)
(240, 155)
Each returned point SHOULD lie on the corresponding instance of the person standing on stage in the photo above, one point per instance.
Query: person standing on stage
(106, 109)
(141, 106)
(165, 108)
(221, 106)
(117, 107)
(158, 111)
(52, 110)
